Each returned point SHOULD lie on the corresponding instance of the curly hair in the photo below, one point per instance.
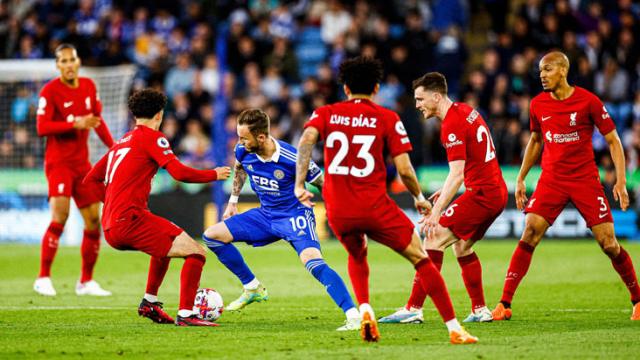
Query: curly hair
(147, 103)
(433, 81)
(361, 74)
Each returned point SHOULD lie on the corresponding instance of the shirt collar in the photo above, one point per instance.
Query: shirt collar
(276, 155)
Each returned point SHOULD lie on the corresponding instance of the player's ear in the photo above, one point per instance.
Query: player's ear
(376, 89)
(346, 89)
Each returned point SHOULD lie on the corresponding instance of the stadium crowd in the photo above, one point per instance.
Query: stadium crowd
(282, 57)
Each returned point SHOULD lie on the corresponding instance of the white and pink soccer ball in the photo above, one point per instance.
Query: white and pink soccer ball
(208, 305)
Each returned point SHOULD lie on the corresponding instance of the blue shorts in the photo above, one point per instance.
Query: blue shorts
(259, 228)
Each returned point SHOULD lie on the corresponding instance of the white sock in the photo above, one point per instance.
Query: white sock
(253, 284)
(352, 313)
(151, 298)
(454, 325)
(479, 310)
(185, 313)
(367, 308)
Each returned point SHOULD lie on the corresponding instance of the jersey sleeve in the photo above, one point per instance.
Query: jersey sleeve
(95, 179)
(534, 122)
(44, 115)
(239, 152)
(158, 148)
(318, 120)
(454, 138)
(314, 171)
(396, 137)
(600, 116)
(96, 103)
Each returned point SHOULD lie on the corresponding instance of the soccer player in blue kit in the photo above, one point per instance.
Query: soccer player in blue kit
(270, 165)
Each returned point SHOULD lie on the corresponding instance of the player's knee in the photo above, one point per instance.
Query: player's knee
(60, 216)
(611, 248)
(200, 249)
(216, 232)
(93, 224)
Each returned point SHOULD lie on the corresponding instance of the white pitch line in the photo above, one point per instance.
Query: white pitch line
(17, 308)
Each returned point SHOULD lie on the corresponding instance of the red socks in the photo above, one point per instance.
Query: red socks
(518, 268)
(433, 283)
(418, 294)
(624, 266)
(49, 248)
(472, 276)
(90, 249)
(190, 280)
(157, 270)
(359, 275)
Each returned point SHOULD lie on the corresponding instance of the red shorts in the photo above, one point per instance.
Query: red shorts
(393, 229)
(67, 181)
(471, 215)
(146, 232)
(552, 195)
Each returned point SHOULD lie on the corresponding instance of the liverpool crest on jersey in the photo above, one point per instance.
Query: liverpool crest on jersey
(573, 119)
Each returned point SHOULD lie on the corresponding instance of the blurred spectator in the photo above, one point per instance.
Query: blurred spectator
(180, 76)
(611, 86)
(336, 21)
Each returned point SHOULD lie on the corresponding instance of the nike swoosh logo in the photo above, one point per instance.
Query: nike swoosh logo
(68, 104)
(546, 118)
(602, 215)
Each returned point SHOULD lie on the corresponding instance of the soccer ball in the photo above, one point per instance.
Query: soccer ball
(208, 305)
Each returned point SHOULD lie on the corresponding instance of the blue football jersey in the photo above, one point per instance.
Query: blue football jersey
(273, 180)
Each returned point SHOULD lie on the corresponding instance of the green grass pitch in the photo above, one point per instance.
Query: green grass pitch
(572, 304)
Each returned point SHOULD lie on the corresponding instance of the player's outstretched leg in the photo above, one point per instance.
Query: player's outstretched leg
(48, 249)
(229, 256)
(434, 285)
(412, 312)
(150, 307)
(194, 258)
(621, 261)
(315, 264)
(535, 227)
(357, 265)
(472, 276)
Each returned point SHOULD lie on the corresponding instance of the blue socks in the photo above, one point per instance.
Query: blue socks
(332, 282)
(230, 257)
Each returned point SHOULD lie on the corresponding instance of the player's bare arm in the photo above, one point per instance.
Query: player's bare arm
(318, 182)
(531, 155)
(410, 180)
(308, 139)
(617, 155)
(451, 185)
(239, 178)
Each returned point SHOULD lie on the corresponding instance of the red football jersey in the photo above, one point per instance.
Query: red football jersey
(466, 136)
(355, 132)
(128, 170)
(567, 128)
(58, 107)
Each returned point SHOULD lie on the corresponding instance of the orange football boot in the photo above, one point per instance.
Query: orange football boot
(636, 312)
(501, 313)
(462, 338)
(369, 328)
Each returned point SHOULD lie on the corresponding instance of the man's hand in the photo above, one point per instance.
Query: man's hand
(521, 194)
(87, 122)
(223, 172)
(435, 196)
(430, 225)
(304, 196)
(232, 209)
(620, 194)
(423, 207)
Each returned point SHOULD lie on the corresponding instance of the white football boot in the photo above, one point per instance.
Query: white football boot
(91, 288)
(404, 316)
(43, 286)
(480, 315)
